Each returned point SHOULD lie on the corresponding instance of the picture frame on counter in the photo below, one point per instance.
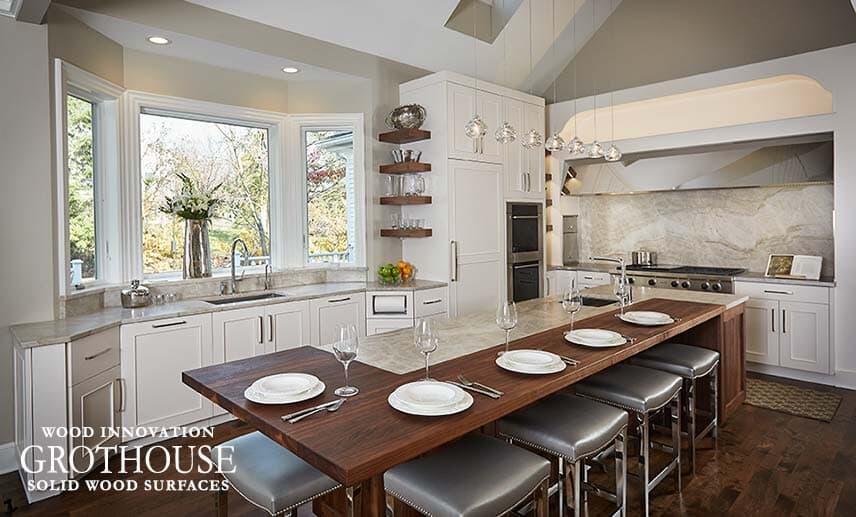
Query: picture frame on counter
(794, 266)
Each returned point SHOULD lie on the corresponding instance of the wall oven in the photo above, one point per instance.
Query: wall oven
(525, 245)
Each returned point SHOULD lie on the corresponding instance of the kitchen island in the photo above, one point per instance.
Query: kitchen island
(366, 436)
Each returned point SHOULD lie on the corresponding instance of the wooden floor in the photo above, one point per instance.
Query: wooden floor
(768, 463)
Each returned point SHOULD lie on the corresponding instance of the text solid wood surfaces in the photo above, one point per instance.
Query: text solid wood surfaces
(405, 168)
(404, 136)
(366, 436)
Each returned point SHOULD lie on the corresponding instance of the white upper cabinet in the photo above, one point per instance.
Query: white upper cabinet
(524, 168)
(463, 103)
(534, 119)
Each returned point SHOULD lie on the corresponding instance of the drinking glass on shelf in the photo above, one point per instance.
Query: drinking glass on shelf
(426, 340)
(345, 350)
(572, 302)
(506, 318)
(396, 221)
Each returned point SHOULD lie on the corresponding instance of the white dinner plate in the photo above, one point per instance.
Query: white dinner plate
(519, 368)
(649, 318)
(462, 404)
(429, 395)
(580, 337)
(285, 384)
(531, 359)
(596, 335)
(253, 395)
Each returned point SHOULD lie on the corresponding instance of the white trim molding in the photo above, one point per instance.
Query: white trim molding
(8, 462)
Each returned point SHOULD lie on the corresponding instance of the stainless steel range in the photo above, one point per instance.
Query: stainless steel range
(692, 278)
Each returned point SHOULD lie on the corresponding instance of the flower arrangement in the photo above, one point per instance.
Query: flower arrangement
(194, 201)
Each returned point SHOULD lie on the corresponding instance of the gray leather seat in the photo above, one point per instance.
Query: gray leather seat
(565, 425)
(268, 475)
(631, 387)
(476, 475)
(686, 361)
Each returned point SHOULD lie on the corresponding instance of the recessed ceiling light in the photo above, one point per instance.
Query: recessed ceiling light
(158, 40)
(290, 70)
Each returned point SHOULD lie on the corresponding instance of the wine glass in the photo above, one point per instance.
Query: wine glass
(572, 302)
(426, 340)
(345, 350)
(506, 318)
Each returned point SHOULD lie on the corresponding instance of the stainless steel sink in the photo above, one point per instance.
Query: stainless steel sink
(243, 299)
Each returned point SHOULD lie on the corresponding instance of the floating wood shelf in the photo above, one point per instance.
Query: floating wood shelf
(405, 200)
(404, 136)
(416, 232)
(405, 168)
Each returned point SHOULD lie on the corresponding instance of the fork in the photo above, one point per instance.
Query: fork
(466, 382)
(335, 407)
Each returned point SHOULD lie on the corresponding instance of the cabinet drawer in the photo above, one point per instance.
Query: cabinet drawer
(783, 292)
(430, 302)
(94, 354)
(389, 304)
(382, 326)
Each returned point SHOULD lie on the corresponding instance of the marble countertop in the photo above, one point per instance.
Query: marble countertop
(395, 352)
(62, 331)
(604, 267)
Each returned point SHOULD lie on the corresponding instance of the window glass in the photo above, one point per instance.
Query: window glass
(81, 189)
(330, 210)
(229, 161)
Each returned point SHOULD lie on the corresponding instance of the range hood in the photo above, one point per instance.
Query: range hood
(805, 159)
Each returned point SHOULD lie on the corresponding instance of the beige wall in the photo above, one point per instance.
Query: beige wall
(26, 210)
(649, 41)
(154, 73)
(76, 43)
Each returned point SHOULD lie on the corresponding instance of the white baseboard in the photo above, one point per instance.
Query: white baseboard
(845, 380)
(7, 458)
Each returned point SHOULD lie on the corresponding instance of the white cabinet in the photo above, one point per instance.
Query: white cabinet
(477, 236)
(330, 313)
(788, 326)
(382, 326)
(464, 102)
(154, 355)
(560, 280)
(96, 403)
(589, 279)
(239, 334)
(524, 168)
(288, 325)
(534, 119)
(431, 302)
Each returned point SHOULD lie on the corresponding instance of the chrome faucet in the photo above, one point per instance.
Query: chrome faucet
(268, 280)
(624, 291)
(234, 286)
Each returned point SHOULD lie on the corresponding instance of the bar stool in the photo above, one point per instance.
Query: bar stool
(267, 475)
(573, 429)
(642, 392)
(475, 476)
(690, 363)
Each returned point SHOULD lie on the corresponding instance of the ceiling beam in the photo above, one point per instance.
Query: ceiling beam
(32, 11)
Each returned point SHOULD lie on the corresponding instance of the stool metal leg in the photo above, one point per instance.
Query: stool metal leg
(691, 424)
(350, 501)
(644, 461)
(676, 439)
(578, 487)
(542, 499)
(561, 483)
(621, 472)
(714, 381)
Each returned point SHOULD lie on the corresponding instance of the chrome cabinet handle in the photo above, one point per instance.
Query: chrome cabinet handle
(773, 319)
(121, 382)
(528, 182)
(99, 354)
(784, 322)
(773, 291)
(432, 302)
(522, 181)
(261, 329)
(270, 328)
(164, 325)
(339, 300)
(453, 247)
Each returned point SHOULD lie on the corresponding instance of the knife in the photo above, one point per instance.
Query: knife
(474, 389)
(307, 410)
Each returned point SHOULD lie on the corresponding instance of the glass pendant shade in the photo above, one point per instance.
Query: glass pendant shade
(576, 146)
(506, 133)
(595, 150)
(555, 143)
(533, 139)
(475, 128)
(613, 154)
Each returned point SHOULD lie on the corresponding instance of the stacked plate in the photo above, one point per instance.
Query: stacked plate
(533, 362)
(597, 338)
(284, 388)
(430, 398)
(648, 318)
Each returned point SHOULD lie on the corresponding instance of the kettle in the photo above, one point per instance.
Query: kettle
(136, 296)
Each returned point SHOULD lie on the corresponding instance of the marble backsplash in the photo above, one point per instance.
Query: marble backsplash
(726, 228)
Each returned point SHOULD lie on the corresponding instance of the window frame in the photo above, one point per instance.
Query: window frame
(106, 100)
(275, 123)
(300, 124)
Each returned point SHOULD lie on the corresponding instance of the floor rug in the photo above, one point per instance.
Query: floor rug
(793, 400)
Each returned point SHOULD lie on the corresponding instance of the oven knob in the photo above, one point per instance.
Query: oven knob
(675, 283)
(705, 286)
(685, 284)
(717, 286)
(652, 281)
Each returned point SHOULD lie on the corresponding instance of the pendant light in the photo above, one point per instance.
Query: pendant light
(476, 128)
(533, 137)
(576, 146)
(505, 134)
(555, 143)
(595, 150)
(613, 154)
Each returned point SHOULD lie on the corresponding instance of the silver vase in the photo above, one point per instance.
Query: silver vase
(197, 249)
